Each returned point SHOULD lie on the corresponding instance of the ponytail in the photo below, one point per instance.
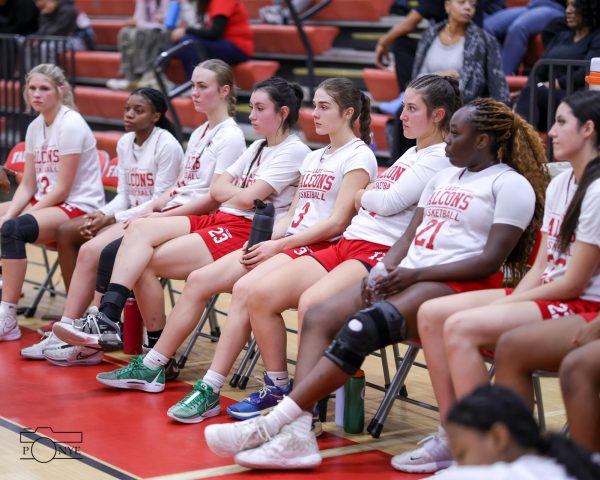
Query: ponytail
(159, 103)
(569, 224)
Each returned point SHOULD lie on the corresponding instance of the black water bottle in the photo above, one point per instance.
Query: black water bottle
(262, 224)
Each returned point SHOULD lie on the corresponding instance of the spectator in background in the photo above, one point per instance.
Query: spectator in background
(140, 42)
(62, 18)
(279, 14)
(18, 17)
(516, 26)
(225, 34)
(580, 42)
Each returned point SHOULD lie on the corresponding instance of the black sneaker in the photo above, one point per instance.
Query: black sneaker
(94, 329)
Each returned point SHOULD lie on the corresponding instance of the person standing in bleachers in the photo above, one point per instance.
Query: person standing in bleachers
(61, 180)
(224, 33)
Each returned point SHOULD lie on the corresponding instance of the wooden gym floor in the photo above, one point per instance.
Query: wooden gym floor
(109, 433)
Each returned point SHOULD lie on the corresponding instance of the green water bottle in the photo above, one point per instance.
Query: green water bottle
(354, 403)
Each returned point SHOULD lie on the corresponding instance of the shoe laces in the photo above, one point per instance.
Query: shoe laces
(249, 429)
(265, 389)
(199, 393)
(136, 362)
(434, 445)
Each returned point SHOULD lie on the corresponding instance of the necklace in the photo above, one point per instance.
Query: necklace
(450, 37)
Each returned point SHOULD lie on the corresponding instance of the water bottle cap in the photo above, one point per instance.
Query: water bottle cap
(359, 374)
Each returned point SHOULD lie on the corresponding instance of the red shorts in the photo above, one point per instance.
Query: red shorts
(297, 252)
(555, 308)
(368, 253)
(493, 281)
(222, 232)
(70, 210)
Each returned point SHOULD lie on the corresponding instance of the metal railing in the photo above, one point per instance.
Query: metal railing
(18, 55)
(299, 20)
(552, 76)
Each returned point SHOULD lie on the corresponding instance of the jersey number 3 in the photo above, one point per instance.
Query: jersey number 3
(426, 236)
(301, 215)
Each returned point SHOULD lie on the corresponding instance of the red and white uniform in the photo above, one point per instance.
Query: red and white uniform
(145, 171)
(229, 228)
(279, 166)
(321, 178)
(558, 196)
(459, 209)
(388, 207)
(68, 134)
(209, 151)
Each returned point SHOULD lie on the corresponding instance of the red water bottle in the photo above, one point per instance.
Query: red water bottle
(133, 328)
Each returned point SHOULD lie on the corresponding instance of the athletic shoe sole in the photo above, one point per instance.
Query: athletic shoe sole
(151, 387)
(72, 336)
(91, 360)
(213, 412)
(423, 468)
(247, 415)
(32, 356)
(308, 461)
(10, 336)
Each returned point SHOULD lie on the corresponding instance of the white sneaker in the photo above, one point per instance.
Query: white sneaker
(227, 439)
(9, 328)
(118, 84)
(434, 455)
(36, 351)
(66, 355)
(289, 449)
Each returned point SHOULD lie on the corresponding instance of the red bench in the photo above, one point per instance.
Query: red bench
(381, 84)
(359, 10)
(115, 8)
(106, 65)
(285, 38)
(107, 140)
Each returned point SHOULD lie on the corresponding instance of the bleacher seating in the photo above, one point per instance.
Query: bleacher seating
(337, 10)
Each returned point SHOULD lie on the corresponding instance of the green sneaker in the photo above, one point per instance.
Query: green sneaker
(135, 376)
(201, 403)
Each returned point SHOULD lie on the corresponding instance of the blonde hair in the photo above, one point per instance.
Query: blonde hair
(224, 75)
(57, 77)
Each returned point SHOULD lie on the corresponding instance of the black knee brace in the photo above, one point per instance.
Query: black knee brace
(16, 232)
(106, 264)
(370, 329)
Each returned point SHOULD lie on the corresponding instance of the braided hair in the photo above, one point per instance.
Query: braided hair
(489, 405)
(159, 104)
(517, 145)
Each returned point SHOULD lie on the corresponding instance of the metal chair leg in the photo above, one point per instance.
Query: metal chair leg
(235, 379)
(198, 331)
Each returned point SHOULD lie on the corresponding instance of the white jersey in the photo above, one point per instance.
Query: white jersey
(459, 209)
(386, 209)
(279, 166)
(558, 197)
(68, 134)
(321, 179)
(144, 171)
(526, 467)
(209, 151)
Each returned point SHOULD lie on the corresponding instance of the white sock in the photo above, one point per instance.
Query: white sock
(279, 379)
(303, 423)
(67, 320)
(215, 380)
(154, 360)
(10, 308)
(441, 432)
(284, 413)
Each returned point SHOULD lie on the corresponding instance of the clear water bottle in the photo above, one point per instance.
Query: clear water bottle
(377, 272)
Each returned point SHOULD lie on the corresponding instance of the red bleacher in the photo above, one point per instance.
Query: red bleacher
(357, 10)
(109, 8)
(99, 64)
(381, 83)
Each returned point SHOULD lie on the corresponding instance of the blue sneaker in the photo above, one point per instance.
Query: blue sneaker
(259, 402)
